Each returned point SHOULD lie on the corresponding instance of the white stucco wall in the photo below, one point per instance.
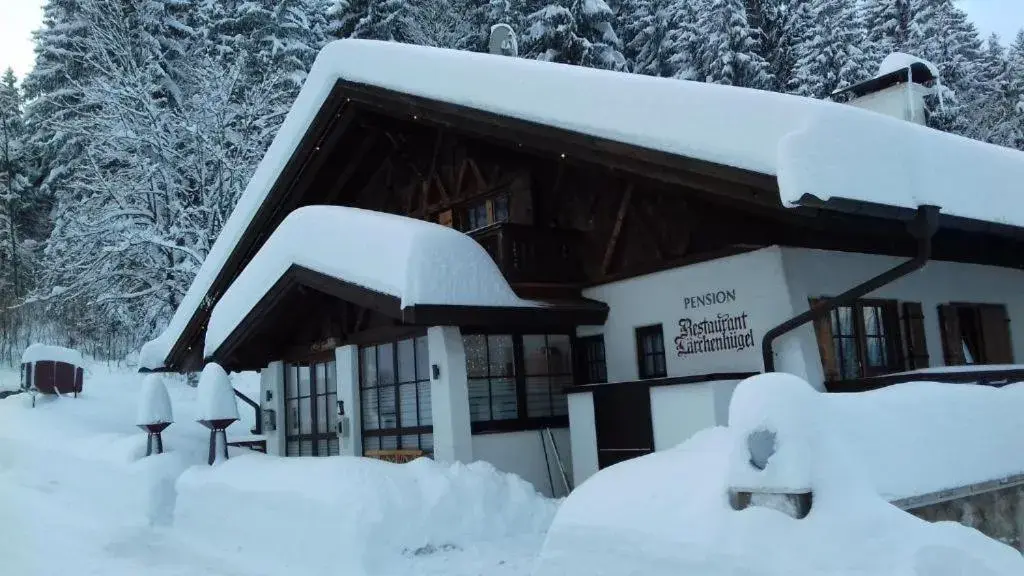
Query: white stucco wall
(522, 453)
(272, 380)
(347, 363)
(449, 395)
(678, 412)
(816, 273)
(582, 436)
(754, 282)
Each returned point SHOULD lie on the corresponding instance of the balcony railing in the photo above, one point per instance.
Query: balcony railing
(526, 254)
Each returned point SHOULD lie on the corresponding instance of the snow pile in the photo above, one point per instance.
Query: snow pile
(44, 352)
(216, 397)
(669, 512)
(154, 402)
(904, 440)
(360, 513)
(813, 146)
(412, 260)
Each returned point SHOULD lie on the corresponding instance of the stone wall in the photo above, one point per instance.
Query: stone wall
(998, 514)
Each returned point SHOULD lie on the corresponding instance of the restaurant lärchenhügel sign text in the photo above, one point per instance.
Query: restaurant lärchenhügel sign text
(713, 332)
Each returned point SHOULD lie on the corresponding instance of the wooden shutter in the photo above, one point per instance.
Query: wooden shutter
(893, 342)
(913, 334)
(952, 340)
(995, 334)
(826, 345)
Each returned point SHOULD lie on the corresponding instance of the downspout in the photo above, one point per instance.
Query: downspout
(922, 227)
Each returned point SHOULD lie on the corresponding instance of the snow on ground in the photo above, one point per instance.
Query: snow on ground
(77, 497)
(669, 512)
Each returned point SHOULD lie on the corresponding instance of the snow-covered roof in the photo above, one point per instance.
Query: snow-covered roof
(416, 261)
(904, 440)
(45, 352)
(816, 148)
(902, 61)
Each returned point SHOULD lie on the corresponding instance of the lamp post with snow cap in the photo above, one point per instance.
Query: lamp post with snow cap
(154, 415)
(217, 408)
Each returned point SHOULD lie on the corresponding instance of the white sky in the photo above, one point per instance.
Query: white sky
(18, 18)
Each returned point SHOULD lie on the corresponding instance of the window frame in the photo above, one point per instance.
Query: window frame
(639, 334)
(892, 338)
(975, 312)
(586, 363)
(489, 206)
(522, 420)
(316, 391)
(399, 431)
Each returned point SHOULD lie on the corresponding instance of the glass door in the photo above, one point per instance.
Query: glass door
(311, 394)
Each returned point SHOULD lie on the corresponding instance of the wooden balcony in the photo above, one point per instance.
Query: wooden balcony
(531, 255)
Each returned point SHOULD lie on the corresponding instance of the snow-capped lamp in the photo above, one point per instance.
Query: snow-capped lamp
(217, 408)
(898, 89)
(154, 414)
(503, 41)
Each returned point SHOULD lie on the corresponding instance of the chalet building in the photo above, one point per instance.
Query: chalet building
(552, 269)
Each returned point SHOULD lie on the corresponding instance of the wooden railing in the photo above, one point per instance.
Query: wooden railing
(528, 254)
(996, 377)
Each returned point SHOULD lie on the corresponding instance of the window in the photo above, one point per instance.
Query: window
(975, 334)
(547, 367)
(311, 395)
(650, 352)
(518, 381)
(394, 382)
(484, 213)
(860, 340)
(591, 367)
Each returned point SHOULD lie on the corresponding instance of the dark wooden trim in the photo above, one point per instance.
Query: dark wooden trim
(700, 174)
(518, 425)
(397, 431)
(670, 381)
(995, 378)
(585, 313)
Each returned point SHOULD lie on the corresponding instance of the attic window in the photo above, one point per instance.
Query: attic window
(483, 213)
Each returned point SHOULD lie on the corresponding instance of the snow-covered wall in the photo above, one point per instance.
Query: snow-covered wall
(522, 453)
(732, 301)
(816, 273)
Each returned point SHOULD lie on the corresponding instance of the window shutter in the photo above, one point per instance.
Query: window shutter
(913, 334)
(952, 341)
(826, 345)
(995, 334)
(893, 343)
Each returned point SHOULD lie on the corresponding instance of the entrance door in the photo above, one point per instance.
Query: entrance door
(394, 392)
(311, 394)
(622, 416)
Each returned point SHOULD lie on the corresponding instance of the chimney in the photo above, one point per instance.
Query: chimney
(503, 41)
(898, 90)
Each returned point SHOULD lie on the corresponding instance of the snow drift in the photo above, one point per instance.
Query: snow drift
(355, 512)
(669, 512)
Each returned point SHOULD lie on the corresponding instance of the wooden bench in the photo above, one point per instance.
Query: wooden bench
(395, 456)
